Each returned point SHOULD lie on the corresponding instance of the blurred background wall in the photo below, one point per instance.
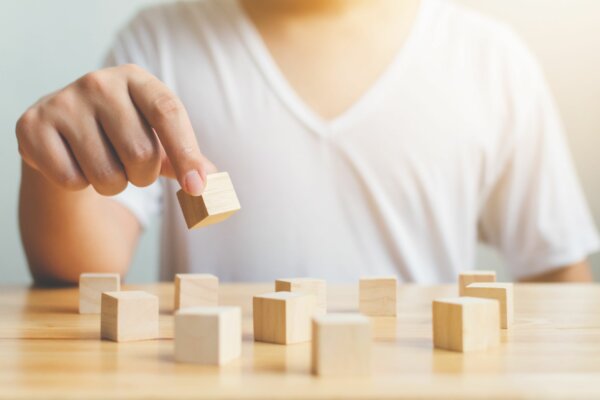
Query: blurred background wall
(46, 44)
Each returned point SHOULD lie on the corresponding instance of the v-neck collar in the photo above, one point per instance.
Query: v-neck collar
(275, 77)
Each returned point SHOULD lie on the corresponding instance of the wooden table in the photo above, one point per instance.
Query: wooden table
(48, 350)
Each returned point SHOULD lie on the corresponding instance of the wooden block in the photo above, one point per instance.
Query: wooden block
(318, 287)
(341, 345)
(128, 316)
(503, 292)
(192, 290)
(208, 335)
(378, 296)
(217, 203)
(467, 277)
(91, 286)
(283, 317)
(466, 323)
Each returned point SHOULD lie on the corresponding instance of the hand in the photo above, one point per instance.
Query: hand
(110, 127)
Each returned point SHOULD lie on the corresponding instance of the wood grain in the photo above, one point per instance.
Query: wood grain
(217, 202)
(49, 350)
(503, 292)
(193, 290)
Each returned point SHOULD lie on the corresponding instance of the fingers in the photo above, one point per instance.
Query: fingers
(110, 127)
(133, 140)
(166, 114)
(94, 155)
(50, 154)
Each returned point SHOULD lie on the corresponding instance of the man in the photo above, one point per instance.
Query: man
(363, 137)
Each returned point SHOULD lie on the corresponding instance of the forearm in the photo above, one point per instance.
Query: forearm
(65, 233)
(577, 272)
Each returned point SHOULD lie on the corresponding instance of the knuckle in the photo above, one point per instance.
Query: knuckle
(26, 124)
(141, 153)
(166, 106)
(64, 101)
(70, 179)
(132, 68)
(94, 82)
(108, 181)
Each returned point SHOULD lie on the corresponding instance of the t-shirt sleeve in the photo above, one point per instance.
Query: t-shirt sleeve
(136, 44)
(536, 214)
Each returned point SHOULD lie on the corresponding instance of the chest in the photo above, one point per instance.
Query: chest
(330, 62)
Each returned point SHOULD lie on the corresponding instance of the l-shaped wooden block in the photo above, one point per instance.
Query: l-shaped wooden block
(217, 202)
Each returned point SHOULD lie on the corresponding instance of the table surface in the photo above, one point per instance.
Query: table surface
(48, 350)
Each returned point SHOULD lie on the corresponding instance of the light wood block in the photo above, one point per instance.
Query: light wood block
(317, 287)
(378, 296)
(91, 286)
(208, 335)
(192, 290)
(128, 316)
(503, 292)
(341, 345)
(467, 277)
(466, 323)
(217, 203)
(283, 317)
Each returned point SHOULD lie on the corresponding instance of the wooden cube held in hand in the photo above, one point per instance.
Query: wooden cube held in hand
(378, 296)
(217, 202)
(192, 290)
(208, 335)
(283, 317)
(317, 287)
(467, 277)
(91, 286)
(128, 316)
(341, 345)
(466, 323)
(503, 292)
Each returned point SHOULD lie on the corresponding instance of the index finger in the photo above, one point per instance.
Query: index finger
(166, 114)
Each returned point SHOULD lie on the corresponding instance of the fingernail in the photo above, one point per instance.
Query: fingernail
(192, 183)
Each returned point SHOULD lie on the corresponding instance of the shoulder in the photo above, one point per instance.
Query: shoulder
(461, 27)
(172, 16)
(157, 31)
(482, 41)
(458, 22)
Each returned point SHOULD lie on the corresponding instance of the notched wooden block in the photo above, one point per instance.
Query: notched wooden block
(217, 203)
(91, 286)
(466, 323)
(341, 345)
(208, 335)
(283, 317)
(317, 287)
(128, 316)
(193, 290)
(503, 292)
(467, 277)
(378, 296)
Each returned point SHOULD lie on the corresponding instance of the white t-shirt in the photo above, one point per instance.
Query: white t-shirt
(458, 140)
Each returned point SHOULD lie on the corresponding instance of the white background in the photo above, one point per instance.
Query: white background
(46, 44)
